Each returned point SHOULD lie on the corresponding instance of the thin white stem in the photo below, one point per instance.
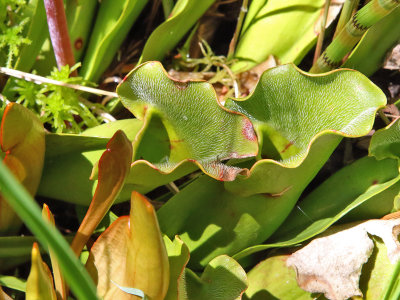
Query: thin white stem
(43, 80)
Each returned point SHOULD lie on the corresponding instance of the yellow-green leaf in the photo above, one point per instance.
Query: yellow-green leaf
(39, 285)
(132, 254)
(22, 141)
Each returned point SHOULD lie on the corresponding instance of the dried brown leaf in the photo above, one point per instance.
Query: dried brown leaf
(332, 264)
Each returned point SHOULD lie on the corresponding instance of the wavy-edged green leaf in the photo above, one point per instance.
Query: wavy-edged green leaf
(135, 246)
(385, 143)
(290, 109)
(267, 21)
(22, 141)
(299, 120)
(166, 36)
(113, 22)
(39, 284)
(369, 55)
(222, 279)
(199, 130)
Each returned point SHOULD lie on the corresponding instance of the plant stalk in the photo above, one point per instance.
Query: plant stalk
(242, 13)
(59, 35)
(345, 15)
(322, 32)
(371, 13)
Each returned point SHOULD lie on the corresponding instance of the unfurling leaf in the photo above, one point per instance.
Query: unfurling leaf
(22, 141)
(40, 282)
(132, 254)
(332, 264)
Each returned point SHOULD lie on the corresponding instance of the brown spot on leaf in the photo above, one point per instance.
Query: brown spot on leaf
(248, 130)
(287, 147)
(171, 146)
(375, 182)
(78, 44)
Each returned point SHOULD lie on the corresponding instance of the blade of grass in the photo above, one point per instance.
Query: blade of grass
(74, 272)
(242, 13)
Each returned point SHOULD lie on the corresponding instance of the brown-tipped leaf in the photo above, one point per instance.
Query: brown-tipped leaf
(132, 254)
(113, 167)
(22, 141)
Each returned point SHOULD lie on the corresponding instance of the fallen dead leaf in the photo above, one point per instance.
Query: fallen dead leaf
(332, 264)
(393, 60)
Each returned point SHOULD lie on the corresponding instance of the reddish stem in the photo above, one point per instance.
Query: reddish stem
(59, 36)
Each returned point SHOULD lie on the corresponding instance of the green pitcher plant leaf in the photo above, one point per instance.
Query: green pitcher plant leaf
(113, 22)
(40, 282)
(135, 246)
(375, 44)
(364, 178)
(80, 17)
(266, 281)
(366, 182)
(178, 257)
(23, 145)
(299, 120)
(113, 167)
(70, 159)
(222, 279)
(385, 143)
(166, 36)
(298, 21)
(198, 129)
